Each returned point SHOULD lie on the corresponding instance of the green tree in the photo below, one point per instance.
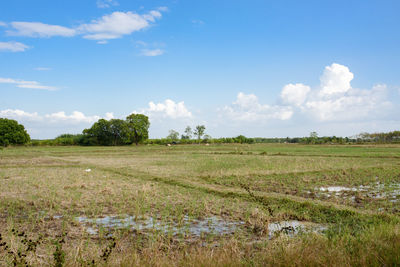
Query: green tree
(138, 126)
(313, 138)
(188, 133)
(119, 131)
(11, 132)
(199, 131)
(173, 135)
(100, 132)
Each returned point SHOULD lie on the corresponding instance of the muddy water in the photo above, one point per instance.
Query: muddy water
(193, 227)
(378, 190)
(294, 227)
(187, 226)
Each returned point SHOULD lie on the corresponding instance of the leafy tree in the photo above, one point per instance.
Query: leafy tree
(173, 135)
(138, 126)
(100, 132)
(11, 132)
(313, 138)
(199, 131)
(119, 131)
(188, 133)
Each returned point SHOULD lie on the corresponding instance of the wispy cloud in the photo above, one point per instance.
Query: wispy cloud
(38, 29)
(106, 3)
(28, 84)
(111, 26)
(197, 22)
(42, 69)
(13, 47)
(152, 52)
(117, 24)
(163, 9)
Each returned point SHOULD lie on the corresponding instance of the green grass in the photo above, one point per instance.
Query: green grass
(255, 184)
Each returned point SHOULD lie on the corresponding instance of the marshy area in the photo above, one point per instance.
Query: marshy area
(198, 205)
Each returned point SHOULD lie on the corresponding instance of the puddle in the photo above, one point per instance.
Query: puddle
(188, 226)
(378, 190)
(294, 227)
(337, 189)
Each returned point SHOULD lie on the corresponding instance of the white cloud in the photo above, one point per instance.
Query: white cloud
(335, 79)
(152, 52)
(106, 3)
(356, 104)
(3, 24)
(168, 109)
(13, 46)
(75, 117)
(295, 94)
(28, 84)
(335, 99)
(52, 124)
(18, 114)
(248, 108)
(109, 116)
(56, 117)
(117, 24)
(38, 29)
(111, 26)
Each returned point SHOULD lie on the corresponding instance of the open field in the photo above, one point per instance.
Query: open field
(198, 205)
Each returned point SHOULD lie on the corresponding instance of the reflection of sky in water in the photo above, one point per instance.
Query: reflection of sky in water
(377, 191)
(195, 227)
(293, 227)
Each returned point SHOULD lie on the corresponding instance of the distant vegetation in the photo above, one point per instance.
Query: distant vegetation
(135, 130)
(114, 132)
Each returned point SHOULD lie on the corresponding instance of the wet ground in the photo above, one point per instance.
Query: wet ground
(193, 227)
(186, 226)
(378, 191)
(294, 227)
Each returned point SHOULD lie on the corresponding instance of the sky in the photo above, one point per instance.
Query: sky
(257, 67)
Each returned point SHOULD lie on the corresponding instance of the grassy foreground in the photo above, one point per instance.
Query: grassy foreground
(44, 191)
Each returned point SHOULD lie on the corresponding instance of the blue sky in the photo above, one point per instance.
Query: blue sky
(258, 68)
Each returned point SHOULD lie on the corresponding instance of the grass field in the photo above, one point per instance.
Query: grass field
(198, 205)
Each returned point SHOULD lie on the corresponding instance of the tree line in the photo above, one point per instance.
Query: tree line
(135, 130)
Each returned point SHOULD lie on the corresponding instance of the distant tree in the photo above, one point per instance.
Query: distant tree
(11, 132)
(119, 131)
(138, 125)
(199, 131)
(240, 139)
(173, 135)
(313, 138)
(188, 133)
(314, 135)
(243, 139)
(207, 137)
